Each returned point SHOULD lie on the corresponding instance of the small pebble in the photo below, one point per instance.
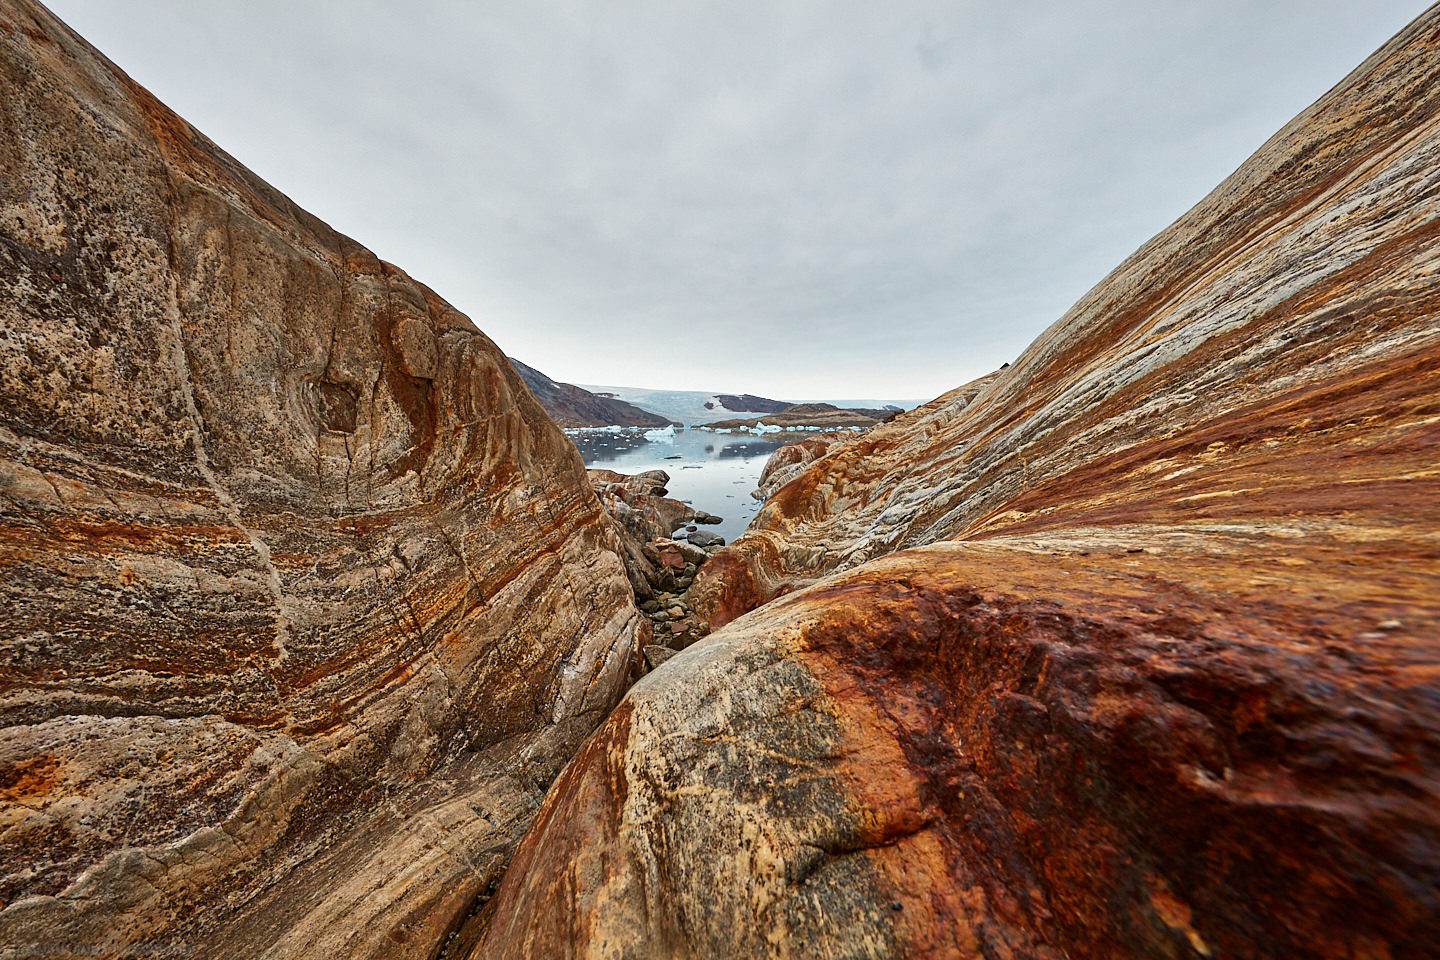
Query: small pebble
(1389, 625)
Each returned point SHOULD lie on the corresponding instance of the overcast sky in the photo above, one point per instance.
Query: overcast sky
(803, 200)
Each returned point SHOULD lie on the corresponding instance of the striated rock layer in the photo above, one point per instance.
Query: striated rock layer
(305, 599)
(1131, 649)
(789, 461)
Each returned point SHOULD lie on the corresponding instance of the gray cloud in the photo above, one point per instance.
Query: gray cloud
(800, 199)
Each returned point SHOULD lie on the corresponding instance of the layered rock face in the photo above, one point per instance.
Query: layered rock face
(305, 600)
(788, 462)
(1128, 650)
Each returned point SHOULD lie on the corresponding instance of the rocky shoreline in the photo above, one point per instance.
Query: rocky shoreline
(664, 549)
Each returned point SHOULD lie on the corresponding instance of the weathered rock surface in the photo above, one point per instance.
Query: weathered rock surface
(305, 600)
(572, 406)
(786, 463)
(643, 516)
(1132, 649)
(1017, 748)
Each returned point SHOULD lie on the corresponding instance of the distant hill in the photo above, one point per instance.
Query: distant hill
(690, 406)
(747, 403)
(809, 416)
(572, 406)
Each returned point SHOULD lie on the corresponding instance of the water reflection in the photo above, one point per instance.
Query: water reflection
(709, 473)
(748, 448)
(599, 448)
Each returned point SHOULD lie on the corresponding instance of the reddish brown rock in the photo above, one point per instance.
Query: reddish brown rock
(786, 463)
(669, 553)
(305, 600)
(1129, 650)
(1018, 748)
(643, 517)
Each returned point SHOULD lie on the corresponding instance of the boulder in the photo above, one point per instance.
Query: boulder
(694, 556)
(656, 655)
(1077, 751)
(670, 556)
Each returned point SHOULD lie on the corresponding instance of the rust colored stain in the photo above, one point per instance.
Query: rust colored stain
(29, 779)
(1363, 445)
(1218, 744)
(1080, 726)
(726, 587)
(109, 535)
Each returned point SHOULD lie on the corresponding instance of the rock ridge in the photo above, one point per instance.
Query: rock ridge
(306, 598)
(1126, 650)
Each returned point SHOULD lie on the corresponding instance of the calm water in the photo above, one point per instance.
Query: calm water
(714, 472)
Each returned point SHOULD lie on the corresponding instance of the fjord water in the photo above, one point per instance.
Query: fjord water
(714, 472)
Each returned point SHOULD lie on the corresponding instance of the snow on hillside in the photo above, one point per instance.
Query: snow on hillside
(684, 406)
(689, 406)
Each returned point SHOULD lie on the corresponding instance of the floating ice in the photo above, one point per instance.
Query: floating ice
(581, 431)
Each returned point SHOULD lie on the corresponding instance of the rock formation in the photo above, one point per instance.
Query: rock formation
(661, 569)
(572, 406)
(1128, 650)
(642, 514)
(788, 462)
(305, 599)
